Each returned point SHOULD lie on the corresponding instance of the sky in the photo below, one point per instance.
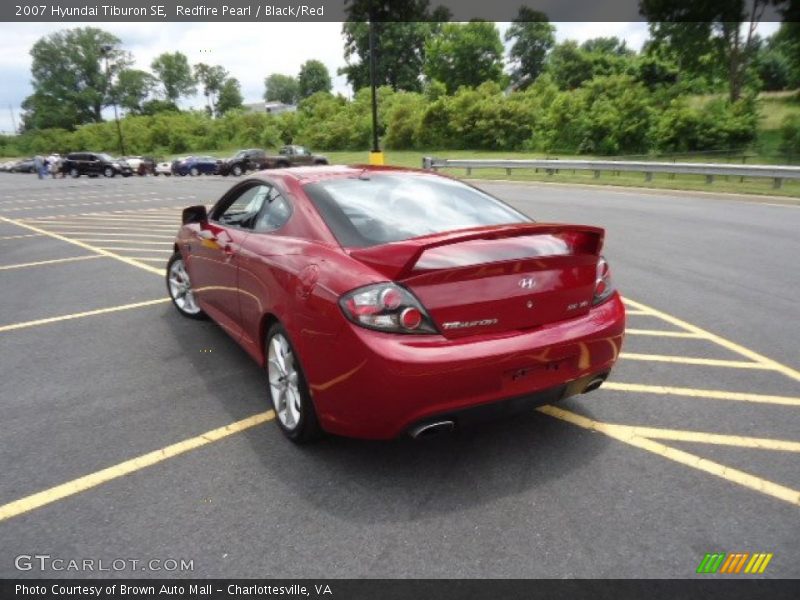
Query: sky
(250, 51)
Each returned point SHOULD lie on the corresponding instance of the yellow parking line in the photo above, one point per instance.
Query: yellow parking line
(721, 341)
(48, 262)
(128, 248)
(630, 312)
(80, 315)
(19, 237)
(72, 226)
(697, 393)
(150, 258)
(691, 360)
(124, 241)
(70, 488)
(703, 437)
(80, 244)
(660, 333)
(624, 434)
(164, 236)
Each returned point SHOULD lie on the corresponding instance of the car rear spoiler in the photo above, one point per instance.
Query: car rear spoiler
(396, 260)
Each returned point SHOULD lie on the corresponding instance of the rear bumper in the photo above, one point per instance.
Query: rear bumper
(376, 385)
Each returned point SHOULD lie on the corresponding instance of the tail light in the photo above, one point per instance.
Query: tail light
(386, 307)
(603, 288)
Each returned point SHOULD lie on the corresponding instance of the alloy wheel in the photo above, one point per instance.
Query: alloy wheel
(180, 288)
(283, 382)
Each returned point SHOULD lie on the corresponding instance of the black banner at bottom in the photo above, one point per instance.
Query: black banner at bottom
(396, 589)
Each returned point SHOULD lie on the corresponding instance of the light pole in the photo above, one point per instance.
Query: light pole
(375, 155)
(105, 49)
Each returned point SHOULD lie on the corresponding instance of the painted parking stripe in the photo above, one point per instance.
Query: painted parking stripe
(704, 437)
(76, 486)
(662, 333)
(19, 237)
(692, 360)
(664, 390)
(48, 262)
(80, 315)
(624, 434)
(84, 245)
(721, 341)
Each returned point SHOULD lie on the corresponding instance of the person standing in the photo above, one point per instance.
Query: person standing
(54, 164)
(38, 165)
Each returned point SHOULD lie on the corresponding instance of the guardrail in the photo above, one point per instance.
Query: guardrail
(775, 172)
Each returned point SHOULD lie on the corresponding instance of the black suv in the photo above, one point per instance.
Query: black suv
(243, 161)
(94, 164)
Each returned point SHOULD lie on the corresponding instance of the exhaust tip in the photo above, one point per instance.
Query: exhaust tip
(433, 429)
(594, 384)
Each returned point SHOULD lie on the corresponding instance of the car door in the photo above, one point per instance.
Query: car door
(214, 256)
(93, 166)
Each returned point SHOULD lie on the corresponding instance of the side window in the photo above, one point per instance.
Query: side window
(244, 208)
(276, 212)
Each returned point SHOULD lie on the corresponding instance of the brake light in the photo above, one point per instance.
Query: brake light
(603, 288)
(386, 307)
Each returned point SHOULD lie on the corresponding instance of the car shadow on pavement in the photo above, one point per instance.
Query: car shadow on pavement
(398, 480)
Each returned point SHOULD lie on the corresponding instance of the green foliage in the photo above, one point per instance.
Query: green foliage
(790, 135)
(533, 37)
(70, 83)
(280, 88)
(175, 75)
(230, 96)
(212, 78)
(465, 54)
(718, 125)
(132, 89)
(571, 65)
(313, 78)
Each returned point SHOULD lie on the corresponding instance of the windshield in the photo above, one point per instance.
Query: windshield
(392, 207)
(106, 157)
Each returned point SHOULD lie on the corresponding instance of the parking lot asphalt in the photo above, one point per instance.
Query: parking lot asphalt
(132, 433)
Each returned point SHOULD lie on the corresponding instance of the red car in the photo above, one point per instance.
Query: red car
(384, 301)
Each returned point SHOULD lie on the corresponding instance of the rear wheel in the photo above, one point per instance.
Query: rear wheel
(180, 290)
(288, 391)
(194, 172)
(108, 172)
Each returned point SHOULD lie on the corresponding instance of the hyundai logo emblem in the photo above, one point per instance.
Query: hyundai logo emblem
(527, 283)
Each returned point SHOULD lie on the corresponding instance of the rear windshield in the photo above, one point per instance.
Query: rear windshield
(382, 208)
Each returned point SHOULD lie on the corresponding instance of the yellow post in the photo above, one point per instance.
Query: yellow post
(376, 158)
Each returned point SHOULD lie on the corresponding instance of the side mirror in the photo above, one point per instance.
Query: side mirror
(194, 214)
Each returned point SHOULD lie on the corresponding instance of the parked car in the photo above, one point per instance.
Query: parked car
(95, 164)
(381, 301)
(23, 166)
(294, 156)
(141, 165)
(163, 168)
(244, 161)
(196, 165)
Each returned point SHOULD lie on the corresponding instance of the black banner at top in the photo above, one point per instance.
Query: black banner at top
(327, 10)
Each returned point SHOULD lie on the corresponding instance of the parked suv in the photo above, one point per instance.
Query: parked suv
(95, 164)
(243, 161)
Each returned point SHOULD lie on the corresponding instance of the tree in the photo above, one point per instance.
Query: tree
(175, 75)
(465, 54)
(212, 78)
(230, 96)
(313, 77)
(607, 45)
(70, 86)
(402, 30)
(713, 32)
(533, 38)
(132, 89)
(280, 88)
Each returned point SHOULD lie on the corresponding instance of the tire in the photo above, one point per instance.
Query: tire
(287, 389)
(194, 172)
(237, 171)
(74, 173)
(155, 173)
(320, 161)
(179, 288)
(283, 165)
(109, 172)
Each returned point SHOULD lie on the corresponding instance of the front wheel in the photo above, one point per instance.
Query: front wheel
(288, 390)
(74, 173)
(194, 172)
(236, 171)
(180, 290)
(108, 172)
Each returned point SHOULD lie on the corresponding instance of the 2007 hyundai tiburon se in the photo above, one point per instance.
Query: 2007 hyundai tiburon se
(384, 301)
